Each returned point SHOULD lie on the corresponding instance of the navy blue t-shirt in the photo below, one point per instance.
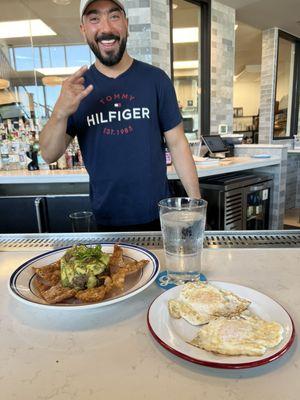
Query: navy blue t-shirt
(120, 127)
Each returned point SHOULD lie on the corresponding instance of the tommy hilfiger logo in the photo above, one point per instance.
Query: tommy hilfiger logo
(125, 115)
(116, 98)
(115, 103)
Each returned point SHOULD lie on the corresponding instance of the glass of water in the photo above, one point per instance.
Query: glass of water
(81, 221)
(183, 224)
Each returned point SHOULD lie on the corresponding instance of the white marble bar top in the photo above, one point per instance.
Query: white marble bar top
(294, 151)
(80, 175)
(109, 353)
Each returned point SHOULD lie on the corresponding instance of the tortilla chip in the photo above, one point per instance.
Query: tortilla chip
(118, 279)
(116, 259)
(58, 293)
(133, 266)
(50, 273)
(91, 295)
(40, 285)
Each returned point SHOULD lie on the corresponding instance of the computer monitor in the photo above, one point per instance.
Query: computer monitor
(214, 144)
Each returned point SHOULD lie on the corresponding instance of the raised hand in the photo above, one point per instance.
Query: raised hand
(72, 93)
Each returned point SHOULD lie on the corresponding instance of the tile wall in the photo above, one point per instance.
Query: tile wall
(293, 181)
(149, 32)
(268, 82)
(222, 65)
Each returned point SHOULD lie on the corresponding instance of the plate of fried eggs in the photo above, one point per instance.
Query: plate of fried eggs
(221, 325)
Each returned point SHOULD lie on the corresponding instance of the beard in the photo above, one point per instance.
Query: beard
(111, 57)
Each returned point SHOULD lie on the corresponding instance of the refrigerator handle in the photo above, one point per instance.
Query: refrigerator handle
(256, 188)
(38, 210)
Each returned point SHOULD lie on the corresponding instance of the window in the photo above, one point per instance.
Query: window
(191, 64)
(27, 58)
(57, 56)
(286, 103)
(78, 55)
(246, 81)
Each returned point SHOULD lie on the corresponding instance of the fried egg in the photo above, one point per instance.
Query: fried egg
(198, 303)
(242, 335)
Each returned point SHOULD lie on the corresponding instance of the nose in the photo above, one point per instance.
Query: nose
(105, 25)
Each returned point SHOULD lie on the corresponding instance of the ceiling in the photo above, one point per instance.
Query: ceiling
(252, 17)
(64, 20)
(264, 14)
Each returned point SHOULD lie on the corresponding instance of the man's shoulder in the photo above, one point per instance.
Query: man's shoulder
(150, 69)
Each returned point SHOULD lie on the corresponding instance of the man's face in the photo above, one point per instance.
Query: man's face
(105, 28)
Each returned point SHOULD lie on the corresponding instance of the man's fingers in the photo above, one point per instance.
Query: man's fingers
(78, 74)
(86, 92)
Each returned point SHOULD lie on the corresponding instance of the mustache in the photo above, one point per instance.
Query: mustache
(108, 36)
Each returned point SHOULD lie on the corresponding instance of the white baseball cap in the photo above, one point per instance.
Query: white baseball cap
(85, 3)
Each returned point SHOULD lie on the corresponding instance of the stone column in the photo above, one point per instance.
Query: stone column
(268, 85)
(222, 65)
(149, 32)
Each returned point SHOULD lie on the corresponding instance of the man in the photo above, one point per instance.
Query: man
(120, 109)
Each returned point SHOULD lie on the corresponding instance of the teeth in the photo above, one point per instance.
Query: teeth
(108, 41)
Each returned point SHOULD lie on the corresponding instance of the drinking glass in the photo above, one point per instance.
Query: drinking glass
(183, 224)
(81, 221)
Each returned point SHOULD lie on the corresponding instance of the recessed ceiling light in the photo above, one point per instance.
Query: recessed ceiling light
(185, 35)
(191, 64)
(62, 2)
(174, 6)
(24, 28)
(236, 26)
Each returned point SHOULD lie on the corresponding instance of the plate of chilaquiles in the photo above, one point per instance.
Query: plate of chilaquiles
(84, 276)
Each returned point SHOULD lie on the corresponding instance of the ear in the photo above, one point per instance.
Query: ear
(82, 30)
(127, 24)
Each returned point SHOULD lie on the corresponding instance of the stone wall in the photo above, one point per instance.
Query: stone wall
(222, 65)
(293, 181)
(149, 32)
(268, 83)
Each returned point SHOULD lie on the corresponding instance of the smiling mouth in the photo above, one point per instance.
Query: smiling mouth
(107, 43)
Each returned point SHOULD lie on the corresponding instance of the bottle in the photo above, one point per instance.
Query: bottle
(257, 204)
(24, 148)
(80, 159)
(69, 158)
(14, 159)
(62, 162)
(4, 154)
(250, 207)
(168, 156)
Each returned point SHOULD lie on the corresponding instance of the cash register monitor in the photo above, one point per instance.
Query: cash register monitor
(215, 144)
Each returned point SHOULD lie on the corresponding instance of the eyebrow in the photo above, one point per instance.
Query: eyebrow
(111, 10)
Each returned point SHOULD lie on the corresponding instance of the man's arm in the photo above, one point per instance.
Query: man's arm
(53, 139)
(183, 160)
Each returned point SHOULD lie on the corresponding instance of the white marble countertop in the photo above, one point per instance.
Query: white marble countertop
(79, 175)
(294, 151)
(109, 352)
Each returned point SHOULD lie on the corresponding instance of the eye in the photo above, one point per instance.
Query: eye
(94, 19)
(115, 16)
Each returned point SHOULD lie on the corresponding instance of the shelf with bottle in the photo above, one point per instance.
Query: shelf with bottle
(20, 149)
(15, 141)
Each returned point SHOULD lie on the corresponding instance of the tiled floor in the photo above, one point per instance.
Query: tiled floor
(292, 218)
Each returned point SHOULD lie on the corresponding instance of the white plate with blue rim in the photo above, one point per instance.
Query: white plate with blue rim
(22, 281)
